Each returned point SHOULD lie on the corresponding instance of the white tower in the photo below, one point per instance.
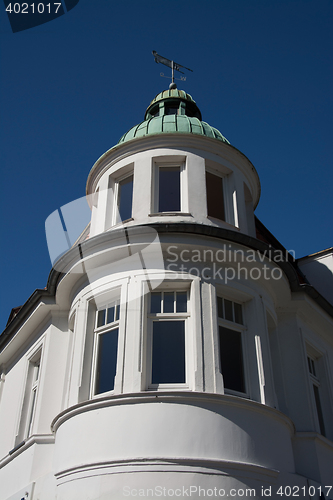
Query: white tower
(177, 350)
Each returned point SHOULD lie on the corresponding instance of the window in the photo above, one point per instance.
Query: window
(124, 195)
(106, 347)
(171, 110)
(169, 186)
(30, 398)
(169, 199)
(215, 196)
(230, 326)
(168, 312)
(315, 383)
(35, 368)
(155, 111)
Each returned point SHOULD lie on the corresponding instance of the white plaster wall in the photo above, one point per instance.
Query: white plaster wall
(34, 465)
(50, 397)
(33, 461)
(293, 363)
(313, 456)
(10, 406)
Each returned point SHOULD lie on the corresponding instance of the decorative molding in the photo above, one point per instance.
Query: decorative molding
(181, 397)
(209, 466)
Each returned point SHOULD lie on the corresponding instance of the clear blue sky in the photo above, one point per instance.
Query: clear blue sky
(262, 75)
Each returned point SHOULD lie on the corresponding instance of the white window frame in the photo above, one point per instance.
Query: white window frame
(237, 327)
(33, 396)
(98, 331)
(224, 189)
(112, 212)
(115, 213)
(169, 162)
(153, 317)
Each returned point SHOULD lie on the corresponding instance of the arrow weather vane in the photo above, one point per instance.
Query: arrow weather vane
(171, 64)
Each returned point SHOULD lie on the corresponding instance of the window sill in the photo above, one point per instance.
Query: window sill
(168, 387)
(24, 445)
(161, 214)
(102, 395)
(119, 224)
(230, 392)
(313, 436)
(215, 220)
(17, 447)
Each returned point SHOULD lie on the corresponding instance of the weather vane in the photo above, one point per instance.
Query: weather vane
(171, 64)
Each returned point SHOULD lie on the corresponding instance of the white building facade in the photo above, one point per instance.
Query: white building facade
(178, 349)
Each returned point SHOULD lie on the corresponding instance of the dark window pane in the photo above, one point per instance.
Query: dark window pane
(117, 310)
(228, 310)
(220, 307)
(181, 302)
(110, 315)
(125, 195)
(215, 201)
(168, 365)
(238, 313)
(309, 364)
(171, 110)
(192, 111)
(312, 366)
(106, 361)
(155, 302)
(155, 111)
(319, 410)
(231, 356)
(101, 318)
(168, 302)
(169, 189)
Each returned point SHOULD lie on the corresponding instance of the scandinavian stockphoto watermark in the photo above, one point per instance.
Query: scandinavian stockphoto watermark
(227, 263)
(139, 248)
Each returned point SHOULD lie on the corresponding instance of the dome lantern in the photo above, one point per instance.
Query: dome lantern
(173, 111)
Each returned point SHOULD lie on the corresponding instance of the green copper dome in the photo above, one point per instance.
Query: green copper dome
(172, 111)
